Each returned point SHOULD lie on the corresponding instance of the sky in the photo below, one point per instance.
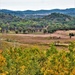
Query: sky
(36, 4)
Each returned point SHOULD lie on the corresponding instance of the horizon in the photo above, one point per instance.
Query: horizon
(22, 5)
(38, 10)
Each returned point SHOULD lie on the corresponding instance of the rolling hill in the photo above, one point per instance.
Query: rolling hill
(38, 13)
(51, 22)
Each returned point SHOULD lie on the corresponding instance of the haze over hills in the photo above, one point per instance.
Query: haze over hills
(38, 13)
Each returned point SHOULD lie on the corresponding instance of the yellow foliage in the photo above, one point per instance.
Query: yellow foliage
(32, 61)
(73, 71)
(2, 60)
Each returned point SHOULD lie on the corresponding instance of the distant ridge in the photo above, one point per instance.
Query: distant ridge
(69, 11)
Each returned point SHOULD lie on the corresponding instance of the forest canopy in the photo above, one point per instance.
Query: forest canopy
(49, 23)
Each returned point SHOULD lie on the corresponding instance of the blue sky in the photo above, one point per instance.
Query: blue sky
(36, 4)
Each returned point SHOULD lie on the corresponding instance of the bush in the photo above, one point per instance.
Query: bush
(16, 32)
(38, 62)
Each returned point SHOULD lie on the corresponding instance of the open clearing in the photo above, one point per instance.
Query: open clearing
(42, 41)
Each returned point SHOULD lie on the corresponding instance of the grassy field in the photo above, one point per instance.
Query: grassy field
(34, 54)
(61, 40)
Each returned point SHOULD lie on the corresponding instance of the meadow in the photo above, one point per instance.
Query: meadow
(61, 39)
(37, 54)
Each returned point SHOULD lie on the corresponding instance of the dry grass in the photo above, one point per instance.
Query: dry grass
(41, 41)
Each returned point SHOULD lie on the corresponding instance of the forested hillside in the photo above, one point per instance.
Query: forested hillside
(39, 13)
(47, 24)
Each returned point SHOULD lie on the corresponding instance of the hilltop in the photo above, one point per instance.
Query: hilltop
(38, 13)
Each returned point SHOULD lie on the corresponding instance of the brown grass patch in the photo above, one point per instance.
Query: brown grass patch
(42, 41)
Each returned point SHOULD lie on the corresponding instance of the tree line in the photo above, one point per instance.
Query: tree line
(53, 22)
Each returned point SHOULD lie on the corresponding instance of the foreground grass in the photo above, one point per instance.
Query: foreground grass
(28, 41)
(18, 61)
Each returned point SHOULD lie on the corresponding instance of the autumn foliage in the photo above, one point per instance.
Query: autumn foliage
(17, 61)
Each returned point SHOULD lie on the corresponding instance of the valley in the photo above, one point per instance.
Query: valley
(37, 44)
(60, 38)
